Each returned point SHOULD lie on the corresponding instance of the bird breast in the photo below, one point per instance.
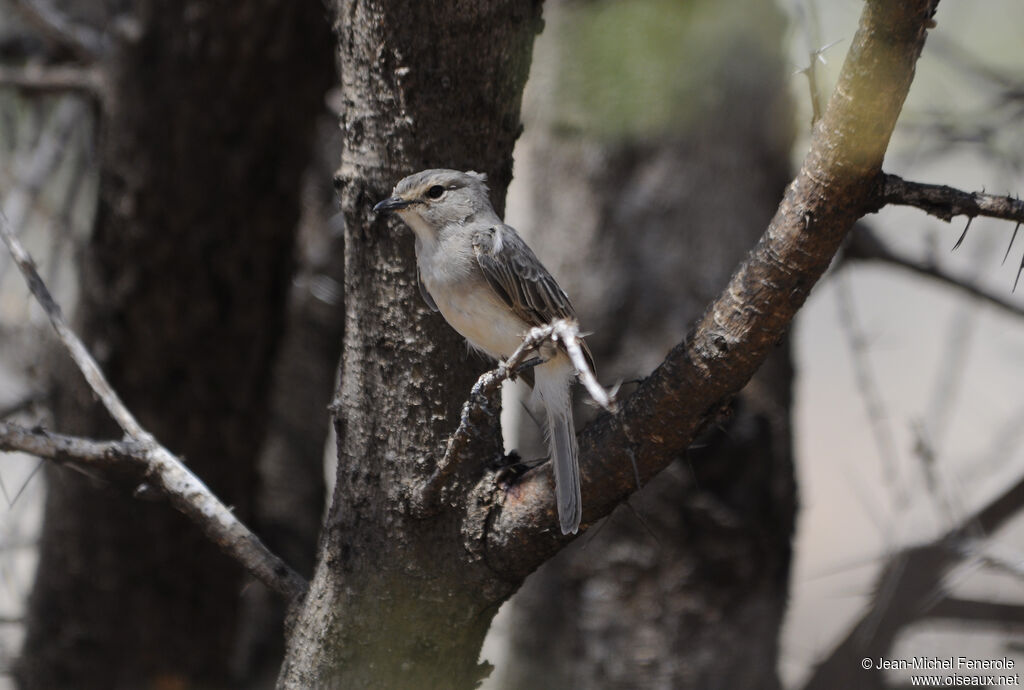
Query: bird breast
(467, 302)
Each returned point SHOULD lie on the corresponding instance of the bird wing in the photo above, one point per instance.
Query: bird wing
(517, 276)
(423, 291)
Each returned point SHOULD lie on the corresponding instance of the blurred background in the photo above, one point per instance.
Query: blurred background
(862, 501)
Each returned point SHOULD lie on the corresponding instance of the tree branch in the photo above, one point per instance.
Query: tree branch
(946, 202)
(159, 466)
(87, 44)
(835, 186)
(69, 449)
(866, 246)
(47, 78)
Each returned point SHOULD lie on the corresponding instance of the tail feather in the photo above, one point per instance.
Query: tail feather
(552, 388)
(565, 457)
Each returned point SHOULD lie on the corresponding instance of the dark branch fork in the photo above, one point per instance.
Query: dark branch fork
(141, 452)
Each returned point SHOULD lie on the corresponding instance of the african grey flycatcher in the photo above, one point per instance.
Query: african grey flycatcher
(492, 289)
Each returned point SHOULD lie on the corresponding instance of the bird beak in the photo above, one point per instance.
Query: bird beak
(395, 203)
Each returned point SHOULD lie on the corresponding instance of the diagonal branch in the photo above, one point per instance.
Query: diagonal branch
(835, 186)
(159, 466)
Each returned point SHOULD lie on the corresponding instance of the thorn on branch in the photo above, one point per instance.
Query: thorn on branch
(963, 235)
(1012, 238)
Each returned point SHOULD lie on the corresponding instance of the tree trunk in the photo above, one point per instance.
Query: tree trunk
(687, 588)
(397, 599)
(206, 133)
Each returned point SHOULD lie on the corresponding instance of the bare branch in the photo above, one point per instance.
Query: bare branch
(160, 467)
(946, 202)
(87, 44)
(92, 372)
(568, 333)
(865, 246)
(36, 77)
(63, 449)
(978, 611)
(811, 72)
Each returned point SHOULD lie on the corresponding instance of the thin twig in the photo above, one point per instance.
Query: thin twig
(161, 468)
(87, 44)
(63, 449)
(58, 78)
(86, 364)
(811, 72)
(946, 202)
(568, 333)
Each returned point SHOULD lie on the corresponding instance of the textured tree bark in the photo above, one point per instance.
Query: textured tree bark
(398, 600)
(182, 293)
(687, 588)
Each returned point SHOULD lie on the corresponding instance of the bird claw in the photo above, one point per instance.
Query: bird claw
(509, 468)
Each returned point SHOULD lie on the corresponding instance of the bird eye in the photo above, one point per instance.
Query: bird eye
(435, 192)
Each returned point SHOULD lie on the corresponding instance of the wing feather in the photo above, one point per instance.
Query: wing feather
(517, 276)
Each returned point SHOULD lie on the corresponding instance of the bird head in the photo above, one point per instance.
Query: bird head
(432, 199)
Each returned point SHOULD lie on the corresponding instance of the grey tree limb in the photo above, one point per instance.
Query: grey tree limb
(160, 467)
(54, 78)
(63, 449)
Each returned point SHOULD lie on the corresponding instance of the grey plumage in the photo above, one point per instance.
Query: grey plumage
(492, 288)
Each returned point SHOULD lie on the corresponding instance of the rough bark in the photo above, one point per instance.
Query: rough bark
(205, 136)
(397, 600)
(688, 587)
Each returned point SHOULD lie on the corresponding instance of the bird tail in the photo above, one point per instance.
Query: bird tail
(552, 388)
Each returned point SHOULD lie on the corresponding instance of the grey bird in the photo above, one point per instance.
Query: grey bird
(492, 289)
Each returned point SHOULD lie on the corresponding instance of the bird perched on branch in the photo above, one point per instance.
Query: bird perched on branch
(492, 289)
